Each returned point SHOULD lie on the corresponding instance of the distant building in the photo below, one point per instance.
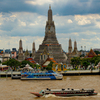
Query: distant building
(13, 54)
(96, 49)
(7, 51)
(6, 56)
(14, 49)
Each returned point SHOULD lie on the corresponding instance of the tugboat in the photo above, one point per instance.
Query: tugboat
(66, 92)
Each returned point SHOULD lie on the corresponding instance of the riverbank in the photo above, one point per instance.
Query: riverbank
(69, 73)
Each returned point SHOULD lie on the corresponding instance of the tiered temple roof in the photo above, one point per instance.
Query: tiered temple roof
(50, 44)
(90, 54)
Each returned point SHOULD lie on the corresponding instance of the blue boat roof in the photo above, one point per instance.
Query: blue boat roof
(46, 73)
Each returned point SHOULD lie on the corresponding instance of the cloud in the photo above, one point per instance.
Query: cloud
(87, 19)
(27, 21)
(64, 7)
(70, 21)
(39, 2)
(84, 22)
(22, 23)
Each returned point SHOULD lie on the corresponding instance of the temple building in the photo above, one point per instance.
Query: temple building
(50, 46)
(20, 53)
(91, 54)
(72, 53)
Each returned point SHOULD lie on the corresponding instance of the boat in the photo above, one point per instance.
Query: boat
(41, 75)
(66, 92)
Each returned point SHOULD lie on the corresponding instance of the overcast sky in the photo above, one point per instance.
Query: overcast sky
(26, 20)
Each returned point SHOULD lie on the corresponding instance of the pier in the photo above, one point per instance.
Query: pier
(81, 72)
(12, 74)
(17, 74)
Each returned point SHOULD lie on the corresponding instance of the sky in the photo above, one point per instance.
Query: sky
(26, 20)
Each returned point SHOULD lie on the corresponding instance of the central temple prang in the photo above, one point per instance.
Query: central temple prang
(50, 46)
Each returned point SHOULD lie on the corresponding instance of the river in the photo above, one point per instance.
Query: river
(20, 90)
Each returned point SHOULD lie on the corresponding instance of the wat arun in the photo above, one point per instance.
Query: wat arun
(50, 46)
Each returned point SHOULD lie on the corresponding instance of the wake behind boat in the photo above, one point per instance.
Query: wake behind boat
(66, 92)
(46, 75)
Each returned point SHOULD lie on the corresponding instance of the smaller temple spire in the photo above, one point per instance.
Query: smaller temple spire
(20, 54)
(49, 6)
(33, 50)
(75, 45)
(70, 46)
(50, 14)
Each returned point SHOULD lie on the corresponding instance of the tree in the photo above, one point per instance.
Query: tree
(49, 67)
(12, 63)
(5, 63)
(97, 52)
(24, 62)
(95, 60)
(36, 65)
(86, 64)
(75, 61)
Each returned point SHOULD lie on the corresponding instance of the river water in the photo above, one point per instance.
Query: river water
(20, 90)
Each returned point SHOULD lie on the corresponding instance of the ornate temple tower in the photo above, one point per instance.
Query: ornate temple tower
(33, 50)
(70, 46)
(75, 47)
(20, 54)
(71, 53)
(50, 43)
(50, 34)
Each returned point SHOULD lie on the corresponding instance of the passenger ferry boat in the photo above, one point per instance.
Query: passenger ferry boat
(66, 92)
(46, 75)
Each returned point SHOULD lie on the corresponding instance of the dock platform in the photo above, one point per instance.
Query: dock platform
(81, 72)
(17, 75)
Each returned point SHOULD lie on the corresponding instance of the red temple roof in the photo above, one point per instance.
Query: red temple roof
(91, 54)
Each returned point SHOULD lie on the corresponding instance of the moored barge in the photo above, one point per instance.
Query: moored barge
(50, 75)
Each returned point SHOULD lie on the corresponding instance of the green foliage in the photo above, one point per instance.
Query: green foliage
(49, 67)
(24, 62)
(97, 52)
(75, 61)
(95, 60)
(5, 63)
(82, 55)
(86, 64)
(36, 65)
(12, 63)
(85, 61)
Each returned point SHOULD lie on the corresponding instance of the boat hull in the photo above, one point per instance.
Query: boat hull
(69, 95)
(65, 94)
(41, 76)
(36, 94)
